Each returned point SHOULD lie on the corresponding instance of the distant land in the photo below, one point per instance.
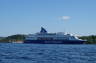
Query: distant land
(18, 38)
(13, 38)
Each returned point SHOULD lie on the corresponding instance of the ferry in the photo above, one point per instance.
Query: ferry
(43, 37)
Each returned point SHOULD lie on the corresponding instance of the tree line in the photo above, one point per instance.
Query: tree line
(13, 38)
(90, 39)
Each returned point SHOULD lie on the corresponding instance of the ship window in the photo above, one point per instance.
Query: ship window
(44, 38)
(61, 38)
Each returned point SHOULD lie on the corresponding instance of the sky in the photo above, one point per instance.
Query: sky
(77, 17)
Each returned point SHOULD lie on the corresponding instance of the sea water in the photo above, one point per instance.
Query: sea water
(47, 53)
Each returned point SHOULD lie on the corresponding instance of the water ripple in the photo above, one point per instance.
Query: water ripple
(47, 53)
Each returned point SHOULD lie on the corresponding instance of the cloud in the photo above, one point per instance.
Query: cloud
(65, 18)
